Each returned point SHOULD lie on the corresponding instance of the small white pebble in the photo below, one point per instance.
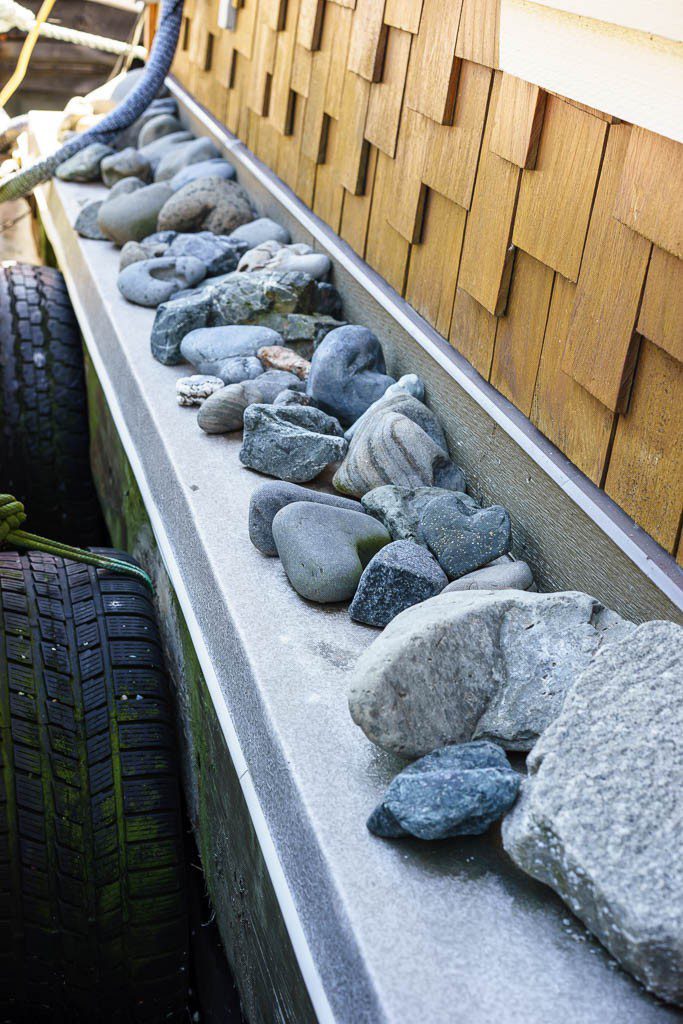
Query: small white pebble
(196, 389)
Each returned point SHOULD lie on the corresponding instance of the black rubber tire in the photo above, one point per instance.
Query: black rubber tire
(93, 903)
(44, 460)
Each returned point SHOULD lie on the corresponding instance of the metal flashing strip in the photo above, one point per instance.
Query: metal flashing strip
(634, 542)
(285, 898)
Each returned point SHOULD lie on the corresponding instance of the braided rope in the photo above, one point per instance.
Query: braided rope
(12, 515)
(121, 117)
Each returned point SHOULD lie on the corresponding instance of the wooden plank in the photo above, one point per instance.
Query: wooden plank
(244, 35)
(386, 96)
(406, 211)
(403, 14)
(602, 344)
(566, 413)
(661, 312)
(356, 210)
(645, 474)
(352, 148)
(518, 122)
(281, 107)
(519, 337)
(335, 38)
(313, 139)
(433, 269)
(262, 70)
(387, 250)
(555, 199)
(649, 199)
(434, 68)
(302, 63)
(310, 23)
(273, 13)
(329, 193)
(451, 152)
(478, 32)
(368, 40)
(289, 146)
(473, 331)
(487, 252)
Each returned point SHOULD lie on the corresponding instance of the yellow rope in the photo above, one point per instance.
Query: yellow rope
(26, 52)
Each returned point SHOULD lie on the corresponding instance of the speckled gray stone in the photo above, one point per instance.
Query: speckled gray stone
(271, 383)
(289, 397)
(348, 373)
(219, 253)
(151, 282)
(503, 573)
(392, 449)
(211, 204)
(129, 163)
(124, 187)
(215, 168)
(196, 389)
(600, 817)
(324, 549)
(454, 791)
(210, 346)
(134, 216)
(86, 222)
(267, 500)
(409, 384)
(147, 249)
(400, 575)
(463, 538)
(84, 165)
(290, 442)
(476, 665)
(157, 127)
(193, 152)
(399, 508)
(261, 230)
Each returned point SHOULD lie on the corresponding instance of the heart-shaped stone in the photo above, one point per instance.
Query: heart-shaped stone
(463, 538)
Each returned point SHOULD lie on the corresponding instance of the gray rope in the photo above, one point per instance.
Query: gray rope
(121, 117)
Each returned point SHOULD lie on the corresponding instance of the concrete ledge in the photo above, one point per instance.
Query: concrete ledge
(395, 932)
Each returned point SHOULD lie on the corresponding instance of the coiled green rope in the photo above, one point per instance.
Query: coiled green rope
(12, 515)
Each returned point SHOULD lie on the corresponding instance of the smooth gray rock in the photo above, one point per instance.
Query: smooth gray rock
(409, 384)
(234, 370)
(86, 222)
(151, 282)
(196, 389)
(157, 127)
(289, 442)
(325, 549)
(154, 151)
(212, 345)
(504, 573)
(261, 230)
(124, 187)
(269, 498)
(134, 216)
(179, 157)
(476, 665)
(134, 252)
(400, 575)
(271, 383)
(462, 537)
(84, 165)
(219, 253)
(348, 373)
(600, 817)
(210, 204)
(400, 508)
(215, 168)
(289, 397)
(223, 412)
(392, 449)
(406, 405)
(455, 791)
(131, 136)
(242, 299)
(128, 163)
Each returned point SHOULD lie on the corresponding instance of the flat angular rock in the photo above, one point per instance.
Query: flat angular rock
(274, 256)
(348, 373)
(455, 791)
(193, 152)
(128, 163)
(261, 230)
(208, 204)
(84, 165)
(600, 817)
(158, 126)
(219, 253)
(463, 538)
(196, 389)
(290, 442)
(324, 549)
(409, 384)
(86, 222)
(210, 346)
(392, 449)
(505, 573)
(214, 168)
(279, 357)
(400, 575)
(477, 665)
(134, 216)
(151, 282)
(269, 498)
(400, 508)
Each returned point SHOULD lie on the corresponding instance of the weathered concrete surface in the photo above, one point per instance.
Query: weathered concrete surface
(454, 935)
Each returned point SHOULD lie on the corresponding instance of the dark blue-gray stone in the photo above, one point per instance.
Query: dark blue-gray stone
(400, 508)
(463, 538)
(348, 372)
(290, 442)
(400, 575)
(324, 549)
(134, 216)
(454, 791)
(218, 253)
(86, 222)
(165, 123)
(290, 397)
(274, 382)
(214, 168)
(128, 163)
(192, 152)
(269, 498)
(124, 187)
(84, 165)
